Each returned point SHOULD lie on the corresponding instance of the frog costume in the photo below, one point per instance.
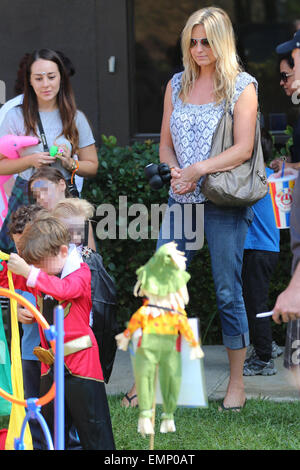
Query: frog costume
(162, 281)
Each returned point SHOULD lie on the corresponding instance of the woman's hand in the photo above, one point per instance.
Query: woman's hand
(184, 180)
(18, 265)
(183, 188)
(65, 156)
(39, 159)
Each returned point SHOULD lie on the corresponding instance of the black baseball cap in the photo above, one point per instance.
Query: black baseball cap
(289, 45)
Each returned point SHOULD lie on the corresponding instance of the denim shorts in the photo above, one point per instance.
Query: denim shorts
(225, 231)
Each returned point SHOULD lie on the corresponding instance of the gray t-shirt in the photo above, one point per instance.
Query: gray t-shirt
(52, 124)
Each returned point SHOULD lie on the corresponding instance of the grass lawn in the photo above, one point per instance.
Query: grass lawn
(262, 425)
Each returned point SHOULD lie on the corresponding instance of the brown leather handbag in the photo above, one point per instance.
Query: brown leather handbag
(244, 185)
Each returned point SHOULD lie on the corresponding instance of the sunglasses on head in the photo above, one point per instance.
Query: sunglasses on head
(203, 41)
(285, 76)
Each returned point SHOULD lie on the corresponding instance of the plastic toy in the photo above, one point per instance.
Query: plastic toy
(162, 281)
(18, 418)
(55, 151)
(11, 144)
(9, 147)
(55, 336)
(17, 415)
(41, 320)
(5, 369)
(157, 175)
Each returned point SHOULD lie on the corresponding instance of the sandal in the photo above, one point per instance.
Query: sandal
(232, 408)
(129, 399)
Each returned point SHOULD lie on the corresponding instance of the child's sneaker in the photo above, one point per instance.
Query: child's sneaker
(258, 367)
(251, 355)
(276, 350)
(250, 352)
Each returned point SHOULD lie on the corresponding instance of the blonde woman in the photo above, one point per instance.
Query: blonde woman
(195, 100)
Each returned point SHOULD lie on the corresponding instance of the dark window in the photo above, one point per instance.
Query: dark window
(258, 26)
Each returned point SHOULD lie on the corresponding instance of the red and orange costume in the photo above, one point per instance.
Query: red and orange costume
(85, 395)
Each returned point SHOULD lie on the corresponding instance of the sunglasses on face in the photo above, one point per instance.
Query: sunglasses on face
(285, 76)
(203, 41)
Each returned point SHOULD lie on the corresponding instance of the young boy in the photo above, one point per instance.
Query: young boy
(55, 275)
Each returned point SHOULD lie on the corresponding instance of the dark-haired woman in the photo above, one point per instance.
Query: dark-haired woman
(47, 94)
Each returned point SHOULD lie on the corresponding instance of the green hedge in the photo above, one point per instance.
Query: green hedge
(121, 173)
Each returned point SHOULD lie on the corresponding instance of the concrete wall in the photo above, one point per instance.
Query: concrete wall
(88, 32)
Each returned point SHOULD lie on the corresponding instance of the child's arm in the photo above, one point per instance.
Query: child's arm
(71, 287)
(19, 281)
(61, 289)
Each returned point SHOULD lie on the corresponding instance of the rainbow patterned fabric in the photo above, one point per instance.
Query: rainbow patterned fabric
(281, 191)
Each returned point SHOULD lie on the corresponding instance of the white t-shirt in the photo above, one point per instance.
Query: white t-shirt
(10, 104)
(52, 124)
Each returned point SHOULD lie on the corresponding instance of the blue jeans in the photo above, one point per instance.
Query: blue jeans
(225, 231)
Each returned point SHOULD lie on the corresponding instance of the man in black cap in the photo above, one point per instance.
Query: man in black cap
(292, 46)
(287, 307)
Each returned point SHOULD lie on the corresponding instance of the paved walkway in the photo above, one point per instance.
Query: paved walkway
(276, 387)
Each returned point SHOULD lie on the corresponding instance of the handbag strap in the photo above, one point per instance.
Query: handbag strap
(42, 133)
(86, 233)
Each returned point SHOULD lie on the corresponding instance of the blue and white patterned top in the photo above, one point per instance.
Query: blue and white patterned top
(192, 127)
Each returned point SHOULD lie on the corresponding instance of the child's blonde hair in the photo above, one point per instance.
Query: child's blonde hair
(73, 207)
(220, 35)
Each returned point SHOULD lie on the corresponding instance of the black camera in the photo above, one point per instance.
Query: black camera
(158, 175)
